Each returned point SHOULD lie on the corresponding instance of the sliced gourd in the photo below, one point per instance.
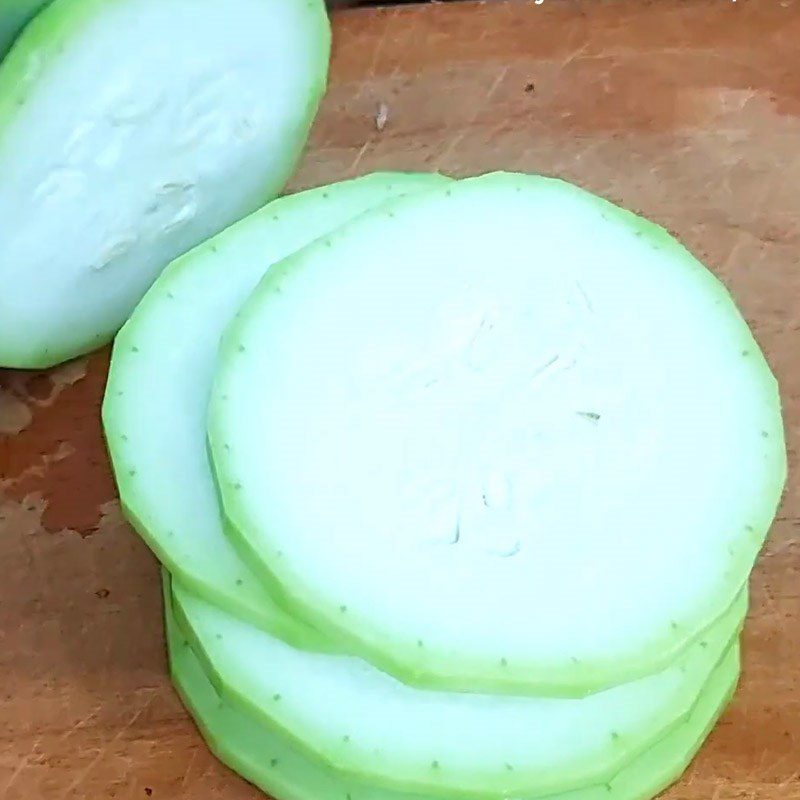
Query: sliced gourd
(364, 723)
(130, 131)
(13, 16)
(502, 436)
(154, 409)
(280, 769)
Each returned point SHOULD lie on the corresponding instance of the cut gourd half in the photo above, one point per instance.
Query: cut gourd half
(500, 436)
(344, 712)
(131, 131)
(279, 768)
(14, 14)
(154, 409)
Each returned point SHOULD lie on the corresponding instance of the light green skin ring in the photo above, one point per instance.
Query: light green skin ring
(231, 664)
(281, 771)
(259, 538)
(197, 295)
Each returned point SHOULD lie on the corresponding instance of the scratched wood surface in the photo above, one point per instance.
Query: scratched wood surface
(688, 112)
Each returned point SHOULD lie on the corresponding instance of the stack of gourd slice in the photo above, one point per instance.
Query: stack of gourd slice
(456, 486)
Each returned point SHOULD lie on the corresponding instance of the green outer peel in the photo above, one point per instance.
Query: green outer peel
(329, 708)
(412, 657)
(277, 768)
(14, 15)
(170, 342)
(35, 59)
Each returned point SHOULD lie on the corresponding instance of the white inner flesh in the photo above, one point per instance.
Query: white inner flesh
(363, 720)
(500, 427)
(160, 123)
(171, 343)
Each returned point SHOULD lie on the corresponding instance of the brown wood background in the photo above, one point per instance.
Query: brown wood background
(688, 112)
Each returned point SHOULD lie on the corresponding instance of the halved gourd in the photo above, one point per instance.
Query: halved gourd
(131, 131)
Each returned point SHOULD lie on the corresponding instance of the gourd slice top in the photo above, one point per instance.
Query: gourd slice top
(500, 436)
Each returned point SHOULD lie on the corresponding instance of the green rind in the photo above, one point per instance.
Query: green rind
(36, 52)
(422, 666)
(241, 694)
(129, 396)
(274, 766)
(14, 15)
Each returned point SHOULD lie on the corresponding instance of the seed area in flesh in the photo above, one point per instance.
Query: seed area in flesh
(493, 378)
(212, 113)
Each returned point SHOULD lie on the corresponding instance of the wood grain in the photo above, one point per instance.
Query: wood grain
(686, 112)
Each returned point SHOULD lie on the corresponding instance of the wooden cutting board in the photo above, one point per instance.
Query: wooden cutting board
(688, 112)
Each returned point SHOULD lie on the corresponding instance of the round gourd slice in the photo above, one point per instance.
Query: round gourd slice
(504, 436)
(130, 131)
(154, 410)
(283, 771)
(364, 723)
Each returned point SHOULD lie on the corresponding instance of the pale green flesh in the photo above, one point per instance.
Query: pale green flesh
(273, 764)
(14, 14)
(160, 379)
(343, 711)
(174, 121)
(542, 446)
